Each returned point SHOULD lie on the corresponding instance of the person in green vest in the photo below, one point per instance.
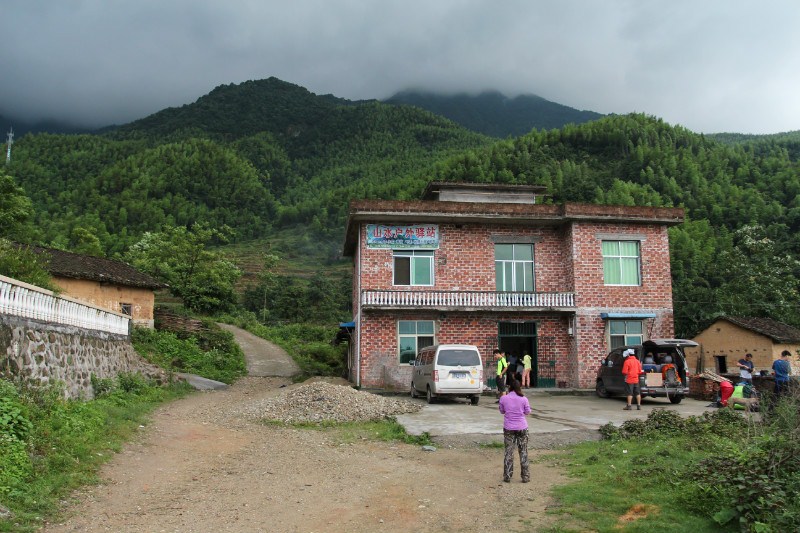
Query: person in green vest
(526, 373)
(502, 368)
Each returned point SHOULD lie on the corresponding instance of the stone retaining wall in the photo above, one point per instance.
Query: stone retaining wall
(44, 354)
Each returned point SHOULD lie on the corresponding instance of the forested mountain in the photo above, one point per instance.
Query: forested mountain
(494, 114)
(737, 252)
(267, 155)
(252, 156)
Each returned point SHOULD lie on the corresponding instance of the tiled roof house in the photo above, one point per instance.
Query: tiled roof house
(103, 282)
(729, 338)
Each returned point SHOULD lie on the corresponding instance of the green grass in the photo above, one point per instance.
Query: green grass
(721, 471)
(67, 443)
(388, 430)
(641, 477)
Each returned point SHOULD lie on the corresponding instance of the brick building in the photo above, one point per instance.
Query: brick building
(490, 265)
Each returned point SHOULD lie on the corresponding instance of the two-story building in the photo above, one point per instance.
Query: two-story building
(491, 265)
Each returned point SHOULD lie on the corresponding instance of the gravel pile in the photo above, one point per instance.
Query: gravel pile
(322, 402)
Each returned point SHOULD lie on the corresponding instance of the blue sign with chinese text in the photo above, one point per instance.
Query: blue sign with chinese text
(419, 236)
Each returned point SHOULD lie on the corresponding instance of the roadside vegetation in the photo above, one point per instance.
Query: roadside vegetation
(388, 430)
(50, 446)
(723, 471)
(210, 352)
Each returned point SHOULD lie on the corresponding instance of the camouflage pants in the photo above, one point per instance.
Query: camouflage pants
(516, 440)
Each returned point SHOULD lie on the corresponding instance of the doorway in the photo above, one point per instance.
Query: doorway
(519, 338)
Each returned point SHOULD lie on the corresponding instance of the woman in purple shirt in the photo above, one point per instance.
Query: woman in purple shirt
(514, 407)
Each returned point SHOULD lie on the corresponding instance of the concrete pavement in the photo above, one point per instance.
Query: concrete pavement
(550, 414)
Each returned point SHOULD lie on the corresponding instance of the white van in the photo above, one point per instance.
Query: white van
(448, 370)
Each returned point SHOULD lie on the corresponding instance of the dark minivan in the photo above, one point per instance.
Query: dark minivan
(665, 370)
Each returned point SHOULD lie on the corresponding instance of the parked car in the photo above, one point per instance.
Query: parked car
(448, 370)
(665, 370)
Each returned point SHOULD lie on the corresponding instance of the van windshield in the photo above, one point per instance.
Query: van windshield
(459, 358)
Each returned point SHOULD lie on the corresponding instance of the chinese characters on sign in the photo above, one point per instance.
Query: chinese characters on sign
(425, 237)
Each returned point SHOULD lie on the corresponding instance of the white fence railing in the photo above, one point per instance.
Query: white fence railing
(28, 301)
(470, 299)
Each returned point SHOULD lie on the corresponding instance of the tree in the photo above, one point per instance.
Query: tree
(180, 257)
(760, 281)
(15, 206)
(21, 263)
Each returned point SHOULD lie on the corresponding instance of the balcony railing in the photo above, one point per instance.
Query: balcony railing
(422, 299)
(28, 301)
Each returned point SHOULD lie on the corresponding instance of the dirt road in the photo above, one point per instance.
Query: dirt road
(201, 466)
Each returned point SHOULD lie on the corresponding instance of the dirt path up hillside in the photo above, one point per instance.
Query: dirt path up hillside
(264, 358)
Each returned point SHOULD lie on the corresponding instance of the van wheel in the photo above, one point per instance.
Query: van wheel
(429, 395)
(675, 398)
(474, 400)
(414, 393)
(600, 389)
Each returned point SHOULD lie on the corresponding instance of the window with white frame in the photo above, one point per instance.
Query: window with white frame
(625, 332)
(413, 267)
(513, 264)
(621, 263)
(412, 336)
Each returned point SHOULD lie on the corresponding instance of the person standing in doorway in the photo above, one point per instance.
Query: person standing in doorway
(502, 368)
(746, 369)
(631, 369)
(512, 368)
(526, 372)
(515, 407)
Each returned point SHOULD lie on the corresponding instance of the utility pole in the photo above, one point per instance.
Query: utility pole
(10, 142)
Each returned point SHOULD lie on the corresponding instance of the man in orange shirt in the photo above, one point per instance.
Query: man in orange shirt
(631, 368)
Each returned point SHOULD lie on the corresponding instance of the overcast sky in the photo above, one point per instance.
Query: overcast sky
(709, 65)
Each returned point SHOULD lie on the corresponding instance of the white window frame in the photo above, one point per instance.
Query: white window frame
(416, 335)
(619, 258)
(515, 264)
(628, 338)
(413, 255)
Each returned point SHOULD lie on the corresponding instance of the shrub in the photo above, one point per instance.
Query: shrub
(222, 361)
(101, 386)
(131, 382)
(13, 422)
(756, 480)
(15, 464)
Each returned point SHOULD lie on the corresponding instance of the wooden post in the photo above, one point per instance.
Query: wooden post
(700, 364)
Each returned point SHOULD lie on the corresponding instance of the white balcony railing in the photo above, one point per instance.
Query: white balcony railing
(28, 301)
(466, 299)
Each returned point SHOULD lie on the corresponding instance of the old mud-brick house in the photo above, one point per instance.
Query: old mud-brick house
(106, 283)
(491, 265)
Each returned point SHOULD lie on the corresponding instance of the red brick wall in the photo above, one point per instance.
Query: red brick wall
(568, 258)
(655, 290)
(380, 367)
(465, 259)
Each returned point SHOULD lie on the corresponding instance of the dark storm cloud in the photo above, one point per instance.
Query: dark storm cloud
(711, 66)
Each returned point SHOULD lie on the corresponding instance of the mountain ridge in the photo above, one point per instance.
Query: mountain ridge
(495, 114)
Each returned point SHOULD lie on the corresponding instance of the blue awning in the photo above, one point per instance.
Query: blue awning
(605, 316)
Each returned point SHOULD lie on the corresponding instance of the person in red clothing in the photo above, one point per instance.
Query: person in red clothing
(631, 369)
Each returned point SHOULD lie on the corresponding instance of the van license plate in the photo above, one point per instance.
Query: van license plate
(460, 375)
